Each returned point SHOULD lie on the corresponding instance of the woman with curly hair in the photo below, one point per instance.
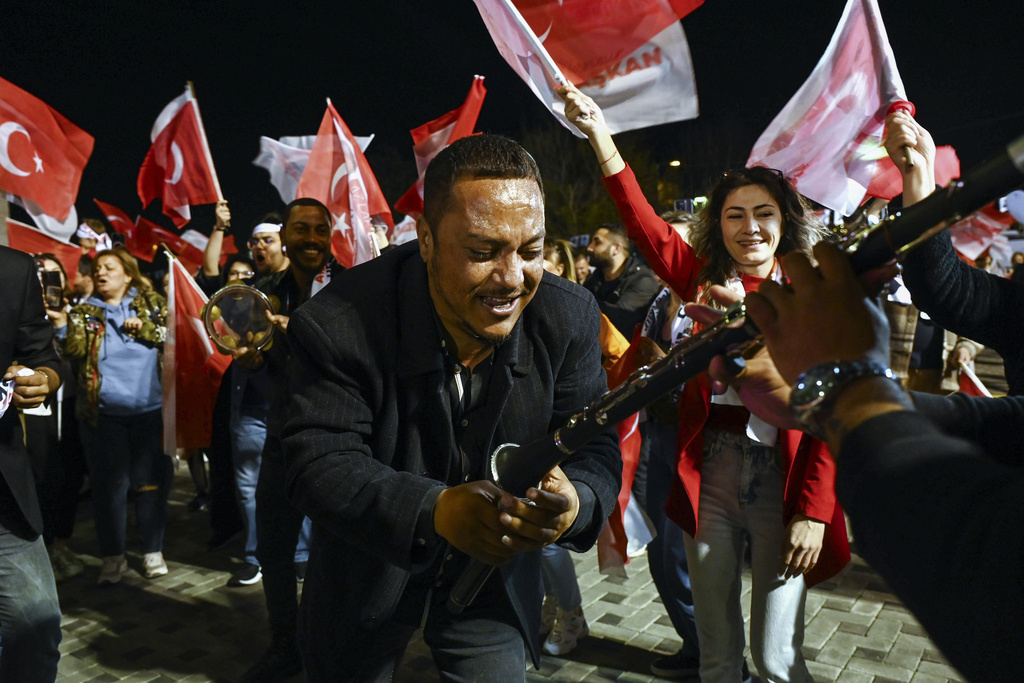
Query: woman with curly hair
(116, 338)
(737, 477)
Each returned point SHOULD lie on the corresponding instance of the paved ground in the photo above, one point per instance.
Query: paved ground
(188, 626)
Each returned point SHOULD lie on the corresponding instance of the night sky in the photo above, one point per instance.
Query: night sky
(263, 68)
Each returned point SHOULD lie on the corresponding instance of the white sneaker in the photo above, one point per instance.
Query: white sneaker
(113, 569)
(569, 627)
(548, 612)
(153, 565)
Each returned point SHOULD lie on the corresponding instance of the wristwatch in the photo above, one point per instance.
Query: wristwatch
(819, 386)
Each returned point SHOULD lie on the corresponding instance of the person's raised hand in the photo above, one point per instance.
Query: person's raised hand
(223, 215)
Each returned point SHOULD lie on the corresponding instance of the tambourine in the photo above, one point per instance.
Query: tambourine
(236, 316)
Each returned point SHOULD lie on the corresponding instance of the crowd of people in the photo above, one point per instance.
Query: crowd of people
(351, 454)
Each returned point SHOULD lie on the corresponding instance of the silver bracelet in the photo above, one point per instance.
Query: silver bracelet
(820, 385)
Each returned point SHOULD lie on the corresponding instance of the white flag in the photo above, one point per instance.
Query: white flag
(651, 86)
(59, 230)
(286, 159)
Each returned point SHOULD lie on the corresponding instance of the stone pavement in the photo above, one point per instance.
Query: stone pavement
(188, 626)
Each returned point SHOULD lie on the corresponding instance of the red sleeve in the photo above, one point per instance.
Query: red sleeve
(811, 485)
(669, 256)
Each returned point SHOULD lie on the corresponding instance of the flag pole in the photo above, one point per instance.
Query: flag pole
(554, 73)
(206, 145)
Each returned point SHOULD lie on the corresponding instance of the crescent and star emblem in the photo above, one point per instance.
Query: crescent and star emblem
(8, 129)
(179, 164)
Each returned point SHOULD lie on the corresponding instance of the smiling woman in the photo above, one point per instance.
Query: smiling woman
(741, 477)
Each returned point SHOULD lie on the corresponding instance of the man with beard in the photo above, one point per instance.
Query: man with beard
(623, 286)
(406, 373)
(306, 236)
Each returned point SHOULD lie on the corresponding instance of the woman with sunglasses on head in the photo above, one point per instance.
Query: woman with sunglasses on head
(737, 476)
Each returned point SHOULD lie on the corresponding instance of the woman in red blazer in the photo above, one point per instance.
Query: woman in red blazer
(739, 478)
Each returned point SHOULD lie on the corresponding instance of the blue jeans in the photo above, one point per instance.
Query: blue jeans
(666, 554)
(560, 576)
(123, 450)
(741, 494)
(248, 435)
(283, 539)
(29, 612)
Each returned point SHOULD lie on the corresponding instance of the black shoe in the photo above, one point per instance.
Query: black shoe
(247, 575)
(277, 664)
(677, 666)
(300, 571)
(199, 503)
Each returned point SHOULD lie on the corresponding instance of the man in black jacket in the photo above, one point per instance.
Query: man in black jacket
(29, 612)
(623, 286)
(407, 372)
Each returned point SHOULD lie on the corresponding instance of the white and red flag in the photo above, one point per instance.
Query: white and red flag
(828, 137)
(286, 159)
(969, 382)
(433, 136)
(192, 367)
(338, 175)
(30, 240)
(42, 156)
(979, 231)
(178, 168)
(632, 58)
(61, 230)
(116, 218)
(147, 237)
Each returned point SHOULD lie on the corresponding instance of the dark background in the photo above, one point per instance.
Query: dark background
(263, 68)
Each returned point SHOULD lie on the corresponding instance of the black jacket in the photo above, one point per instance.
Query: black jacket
(26, 336)
(370, 442)
(969, 301)
(625, 300)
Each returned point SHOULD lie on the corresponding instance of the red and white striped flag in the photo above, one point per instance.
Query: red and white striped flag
(192, 367)
(631, 58)
(828, 137)
(178, 168)
(338, 175)
(433, 136)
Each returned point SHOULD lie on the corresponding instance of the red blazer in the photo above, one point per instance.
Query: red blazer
(810, 470)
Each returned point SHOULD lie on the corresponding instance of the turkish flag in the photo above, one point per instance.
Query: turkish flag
(585, 37)
(632, 57)
(42, 154)
(828, 138)
(31, 241)
(192, 367)
(117, 218)
(338, 175)
(178, 168)
(146, 238)
(433, 136)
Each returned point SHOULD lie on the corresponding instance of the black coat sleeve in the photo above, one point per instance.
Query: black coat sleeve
(943, 523)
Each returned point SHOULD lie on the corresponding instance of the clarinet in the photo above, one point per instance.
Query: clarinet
(516, 468)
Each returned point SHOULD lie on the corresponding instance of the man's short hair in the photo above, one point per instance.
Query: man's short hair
(477, 156)
(617, 233)
(305, 201)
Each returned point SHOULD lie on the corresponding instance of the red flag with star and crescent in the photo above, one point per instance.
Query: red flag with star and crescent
(178, 168)
(117, 218)
(42, 154)
(338, 175)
